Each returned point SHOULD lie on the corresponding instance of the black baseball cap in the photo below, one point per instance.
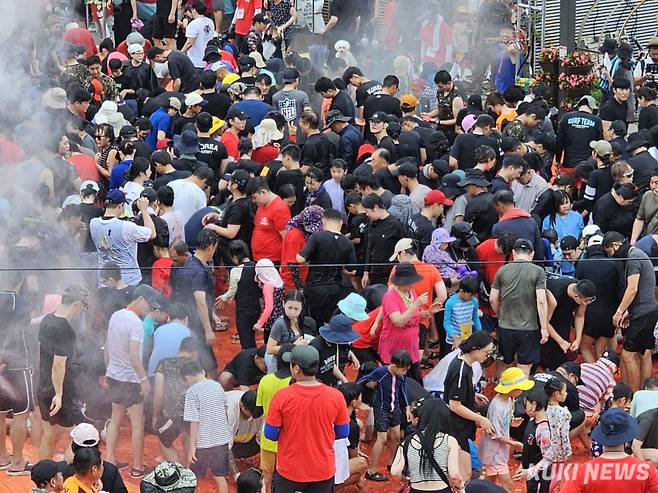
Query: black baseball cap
(45, 470)
(290, 75)
(246, 61)
(379, 116)
(523, 244)
(235, 113)
(569, 243)
(573, 368)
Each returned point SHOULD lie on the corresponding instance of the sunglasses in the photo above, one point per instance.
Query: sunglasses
(629, 174)
(99, 137)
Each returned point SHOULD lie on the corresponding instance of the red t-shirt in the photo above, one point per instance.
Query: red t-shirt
(81, 36)
(602, 475)
(265, 154)
(244, 15)
(266, 240)
(363, 328)
(230, 141)
(292, 245)
(123, 48)
(85, 166)
(306, 416)
(161, 276)
(487, 253)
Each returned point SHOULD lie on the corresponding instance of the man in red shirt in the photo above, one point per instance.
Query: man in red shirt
(306, 418)
(243, 18)
(270, 222)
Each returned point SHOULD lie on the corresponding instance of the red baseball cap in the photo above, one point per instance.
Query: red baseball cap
(163, 144)
(437, 197)
(365, 150)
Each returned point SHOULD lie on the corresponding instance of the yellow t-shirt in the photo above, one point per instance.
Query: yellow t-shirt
(73, 485)
(268, 386)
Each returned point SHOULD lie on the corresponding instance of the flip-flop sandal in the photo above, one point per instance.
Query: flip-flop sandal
(26, 471)
(376, 476)
(139, 473)
(4, 467)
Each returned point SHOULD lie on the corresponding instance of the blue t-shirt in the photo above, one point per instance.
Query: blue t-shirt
(160, 121)
(648, 246)
(166, 343)
(118, 175)
(570, 225)
(255, 110)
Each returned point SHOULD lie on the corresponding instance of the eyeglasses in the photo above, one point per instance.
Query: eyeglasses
(99, 137)
(629, 174)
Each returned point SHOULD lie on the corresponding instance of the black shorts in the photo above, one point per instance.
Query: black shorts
(597, 330)
(213, 458)
(125, 393)
(169, 429)
(524, 344)
(639, 336)
(16, 391)
(463, 436)
(244, 450)
(283, 485)
(387, 419)
(162, 29)
(69, 414)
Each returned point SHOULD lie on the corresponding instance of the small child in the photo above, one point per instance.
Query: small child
(205, 410)
(389, 400)
(333, 185)
(461, 312)
(495, 447)
(559, 419)
(622, 395)
(538, 455)
(435, 253)
(161, 274)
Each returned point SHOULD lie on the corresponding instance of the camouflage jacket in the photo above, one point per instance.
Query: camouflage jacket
(515, 129)
(75, 73)
(109, 88)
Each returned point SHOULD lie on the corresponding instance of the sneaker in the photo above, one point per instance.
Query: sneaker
(139, 473)
(376, 476)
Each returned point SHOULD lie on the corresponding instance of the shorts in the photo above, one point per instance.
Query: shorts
(213, 458)
(267, 461)
(16, 392)
(384, 420)
(244, 450)
(169, 429)
(283, 485)
(524, 344)
(162, 29)
(495, 469)
(463, 436)
(577, 418)
(68, 416)
(639, 336)
(125, 393)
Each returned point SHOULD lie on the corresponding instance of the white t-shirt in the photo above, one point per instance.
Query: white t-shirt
(202, 30)
(242, 430)
(116, 241)
(434, 381)
(124, 326)
(188, 198)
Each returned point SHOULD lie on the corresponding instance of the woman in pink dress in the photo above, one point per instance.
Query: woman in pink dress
(401, 315)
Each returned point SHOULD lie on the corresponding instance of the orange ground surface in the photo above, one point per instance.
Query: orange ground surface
(225, 349)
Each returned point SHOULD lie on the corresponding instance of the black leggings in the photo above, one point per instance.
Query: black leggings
(245, 321)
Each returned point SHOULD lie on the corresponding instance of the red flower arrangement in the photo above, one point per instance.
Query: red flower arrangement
(577, 58)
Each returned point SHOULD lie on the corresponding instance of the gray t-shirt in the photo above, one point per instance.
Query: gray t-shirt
(418, 194)
(458, 208)
(518, 283)
(281, 333)
(291, 104)
(645, 300)
(648, 212)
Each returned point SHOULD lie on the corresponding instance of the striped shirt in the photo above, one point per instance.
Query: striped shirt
(598, 382)
(460, 318)
(205, 403)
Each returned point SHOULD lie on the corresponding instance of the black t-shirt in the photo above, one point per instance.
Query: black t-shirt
(367, 89)
(422, 229)
(56, 338)
(357, 229)
(531, 451)
(195, 276)
(481, 213)
(244, 369)
(180, 122)
(575, 131)
(344, 103)
(163, 180)
(159, 101)
(388, 181)
(409, 145)
(610, 216)
(563, 314)
(572, 402)
(377, 102)
(648, 117)
(343, 10)
(499, 183)
(644, 167)
(218, 104)
(326, 247)
(142, 149)
(327, 352)
(318, 151)
(388, 144)
(193, 225)
(88, 212)
(212, 152)
(296, 179)
(458, 386)
(239, 212)
(181, 67)
(382, 237)
(613, 110)
(355, 433)
(323, 200)
(463, 150)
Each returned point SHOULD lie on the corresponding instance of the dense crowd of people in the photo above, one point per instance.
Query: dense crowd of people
(463, 280)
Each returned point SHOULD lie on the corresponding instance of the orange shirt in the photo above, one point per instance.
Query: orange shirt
(73, 485)
(430, 275)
